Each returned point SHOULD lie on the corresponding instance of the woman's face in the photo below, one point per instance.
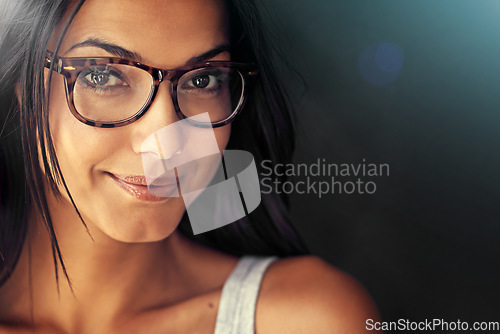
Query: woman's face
(165, 34)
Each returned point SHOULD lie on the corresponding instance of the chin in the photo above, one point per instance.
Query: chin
(140, 226)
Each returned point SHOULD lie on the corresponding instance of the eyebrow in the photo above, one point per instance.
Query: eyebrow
(121, 52)
(113, 49)
(209, 54)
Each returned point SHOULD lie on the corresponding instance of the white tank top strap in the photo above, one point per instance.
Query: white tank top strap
(236, 313)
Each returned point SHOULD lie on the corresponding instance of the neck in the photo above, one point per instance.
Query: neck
(109, 278)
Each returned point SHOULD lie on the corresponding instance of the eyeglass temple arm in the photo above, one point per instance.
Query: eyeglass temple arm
(48, 62)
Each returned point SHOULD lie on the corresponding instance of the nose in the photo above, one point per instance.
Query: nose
(160, 114)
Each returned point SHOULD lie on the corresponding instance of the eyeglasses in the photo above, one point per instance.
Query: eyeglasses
(111, 92)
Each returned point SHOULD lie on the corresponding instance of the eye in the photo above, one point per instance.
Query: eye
(102, 77)
(204, 81)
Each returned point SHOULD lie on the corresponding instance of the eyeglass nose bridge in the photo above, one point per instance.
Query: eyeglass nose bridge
(168, 75)
(159, 76)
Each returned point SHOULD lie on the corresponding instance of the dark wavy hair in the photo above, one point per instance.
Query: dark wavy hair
(264, 128)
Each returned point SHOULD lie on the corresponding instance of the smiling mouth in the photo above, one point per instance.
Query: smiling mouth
(137, 187)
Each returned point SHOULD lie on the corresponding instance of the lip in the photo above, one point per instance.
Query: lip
(136, 186)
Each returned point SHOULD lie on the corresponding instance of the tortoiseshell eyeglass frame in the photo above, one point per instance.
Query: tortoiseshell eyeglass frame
(70, 68)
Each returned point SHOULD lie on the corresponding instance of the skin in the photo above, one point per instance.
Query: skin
(138, 274)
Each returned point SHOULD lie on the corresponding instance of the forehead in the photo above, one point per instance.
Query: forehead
(164, 32)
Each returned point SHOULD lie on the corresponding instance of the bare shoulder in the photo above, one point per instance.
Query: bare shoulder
(307, 295)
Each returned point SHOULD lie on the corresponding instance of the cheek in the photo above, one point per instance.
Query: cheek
(79, 147)
(64, 127)
(222, 135)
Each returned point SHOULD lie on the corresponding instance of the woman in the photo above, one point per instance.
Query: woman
(70, 171)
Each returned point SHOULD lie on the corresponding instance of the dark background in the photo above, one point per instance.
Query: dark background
(427, 243)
